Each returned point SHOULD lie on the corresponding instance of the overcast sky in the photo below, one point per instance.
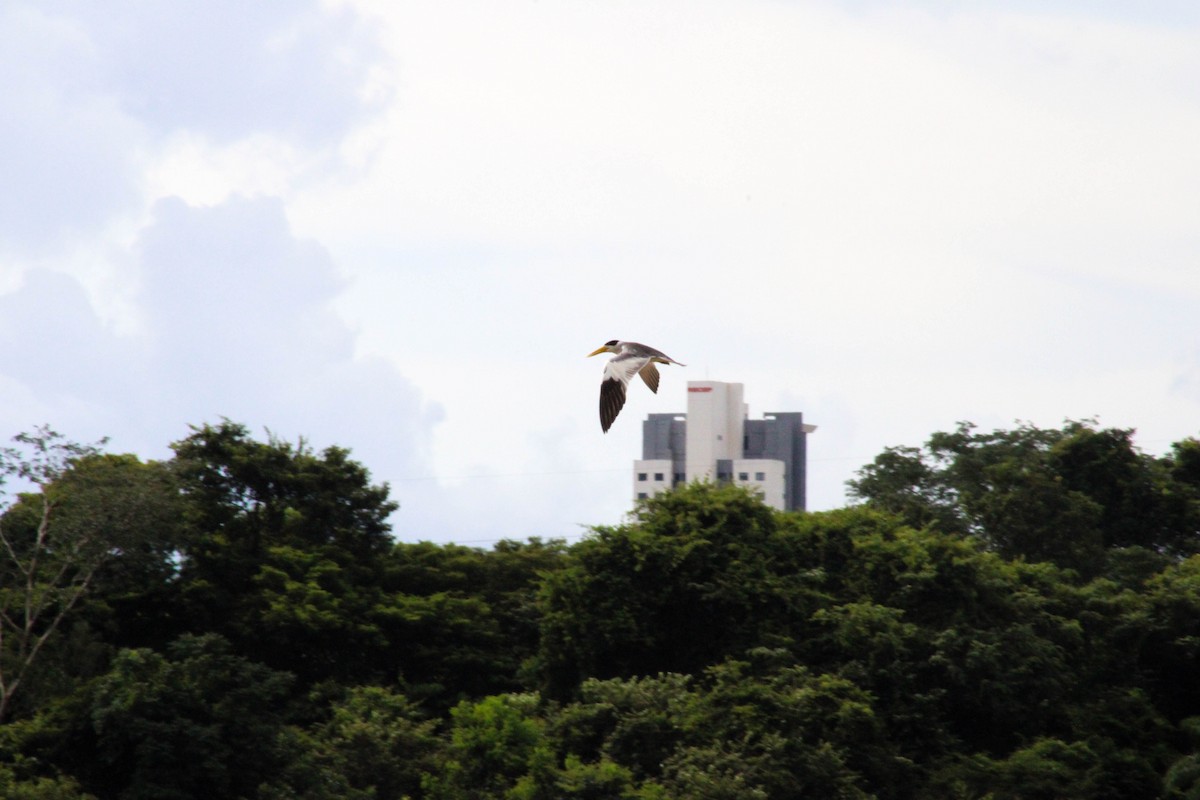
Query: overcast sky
(400, 227)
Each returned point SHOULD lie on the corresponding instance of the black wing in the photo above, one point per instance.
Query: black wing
(612, 399)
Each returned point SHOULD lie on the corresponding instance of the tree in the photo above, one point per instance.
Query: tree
(907, 482)
(1170, 651)
(1183, 778)
(85, 512)
(763, 727)
(491, 744)
(286, 552)
(698, 576)
(957, 645)
(1077, 496)
(13, 786)
(464, 621)
(378, 741)
(198, 721)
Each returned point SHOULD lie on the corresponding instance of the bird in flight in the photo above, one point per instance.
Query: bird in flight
(631, 358)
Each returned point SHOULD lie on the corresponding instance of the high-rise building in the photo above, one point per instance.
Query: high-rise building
(716, 441)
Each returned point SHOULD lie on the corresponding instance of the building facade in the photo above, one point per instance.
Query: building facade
(716, 441)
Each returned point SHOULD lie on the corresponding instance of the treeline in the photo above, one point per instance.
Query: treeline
(1013, 614)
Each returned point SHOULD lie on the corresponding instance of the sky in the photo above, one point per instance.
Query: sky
(400, 227)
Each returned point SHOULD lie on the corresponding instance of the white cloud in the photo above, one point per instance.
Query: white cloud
(338, 219)
(231, 70)
(237, 322)
(54, 343)
(242, 325)
(199, 172)
(67, 153)
(906, 210)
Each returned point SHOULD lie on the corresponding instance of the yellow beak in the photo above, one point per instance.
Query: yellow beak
(598, 351)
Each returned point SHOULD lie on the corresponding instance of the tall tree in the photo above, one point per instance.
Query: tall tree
(83, 512)
(464, 621)
(700, 574)
(286, 552)
(1071, 495)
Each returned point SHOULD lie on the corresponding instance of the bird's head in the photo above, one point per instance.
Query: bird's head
(608, 347)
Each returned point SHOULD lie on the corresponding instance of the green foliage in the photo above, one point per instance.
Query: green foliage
(1008, 615)
(1065, 495)
(1171, 649)
(1048, 769)
(373, 743)
(263, 493)
(1182, 781)
(285, 556)
(491, 745)
(693, 579)
(14, 788)
(765, 727)
(991, 630)
(633, 722)
(196, 722)
(91, 520)
(25, 778)
(602, 780)
(777, 730)
(906, 482)
(466, 620)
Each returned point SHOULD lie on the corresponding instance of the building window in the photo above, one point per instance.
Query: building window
(680, 477)
(641, 476)
(658, 476)
(760, 476)
(743, 476)
(642, 495)
(722, 476)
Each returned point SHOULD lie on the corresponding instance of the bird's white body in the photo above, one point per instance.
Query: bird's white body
(631, 359)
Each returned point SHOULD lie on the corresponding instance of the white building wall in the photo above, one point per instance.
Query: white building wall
(764, 475)
(651, 476)
(715, 427)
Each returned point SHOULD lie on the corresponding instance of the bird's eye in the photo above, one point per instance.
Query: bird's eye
(612, 343)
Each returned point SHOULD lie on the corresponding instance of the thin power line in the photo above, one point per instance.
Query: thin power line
(509, 474)
(572, 471)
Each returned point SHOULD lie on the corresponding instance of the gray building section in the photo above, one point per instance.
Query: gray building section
(783, 436)
(780, 436)
(664, 437)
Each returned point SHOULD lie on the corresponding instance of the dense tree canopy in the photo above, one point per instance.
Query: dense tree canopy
(1012, 615)
(1075, 496)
